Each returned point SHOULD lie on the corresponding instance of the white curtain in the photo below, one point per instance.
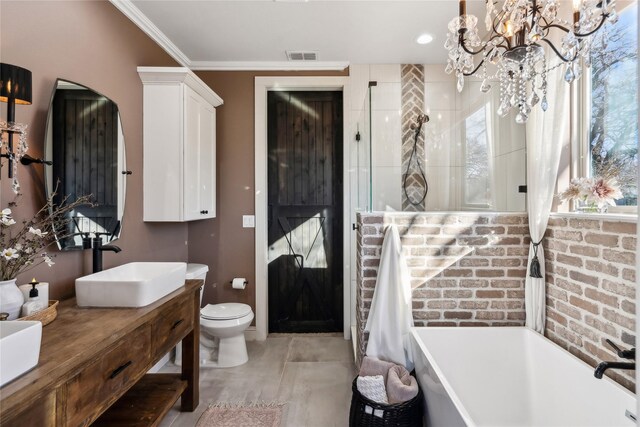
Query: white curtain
(546, 133)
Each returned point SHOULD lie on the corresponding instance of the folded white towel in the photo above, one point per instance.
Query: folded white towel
(373, 388)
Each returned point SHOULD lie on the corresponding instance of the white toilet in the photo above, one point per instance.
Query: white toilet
(222, 326)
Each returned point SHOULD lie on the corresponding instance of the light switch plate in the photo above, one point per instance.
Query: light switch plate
(248, 221)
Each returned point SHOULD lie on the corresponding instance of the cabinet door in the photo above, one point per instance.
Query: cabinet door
(191, 196)
(207, 161)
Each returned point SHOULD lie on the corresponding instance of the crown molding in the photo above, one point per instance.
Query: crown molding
(136, 16)
(172, 75)
(149, 28)
(269, 65)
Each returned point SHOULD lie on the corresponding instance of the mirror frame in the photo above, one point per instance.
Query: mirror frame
(121, 172)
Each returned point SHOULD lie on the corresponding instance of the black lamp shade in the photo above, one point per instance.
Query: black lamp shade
(15, 83)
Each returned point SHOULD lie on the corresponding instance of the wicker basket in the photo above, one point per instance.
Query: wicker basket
(45, 316)
(366, 412)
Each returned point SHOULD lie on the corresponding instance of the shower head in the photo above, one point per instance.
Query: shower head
(420, 120)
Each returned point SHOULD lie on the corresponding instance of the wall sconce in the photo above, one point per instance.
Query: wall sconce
(15, 88)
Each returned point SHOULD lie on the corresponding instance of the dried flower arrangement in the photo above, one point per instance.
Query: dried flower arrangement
(23, 249)
(594, 192)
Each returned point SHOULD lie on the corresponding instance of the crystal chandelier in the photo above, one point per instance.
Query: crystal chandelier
(517, 33)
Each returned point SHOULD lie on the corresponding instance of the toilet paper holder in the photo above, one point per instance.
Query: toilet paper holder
(246, 282)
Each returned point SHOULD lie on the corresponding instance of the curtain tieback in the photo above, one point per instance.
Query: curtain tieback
(534, 270)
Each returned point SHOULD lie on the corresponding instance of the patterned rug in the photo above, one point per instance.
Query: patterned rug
(242, 415)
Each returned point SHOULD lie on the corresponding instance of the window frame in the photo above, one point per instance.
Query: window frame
(490, 159)
(580, 143)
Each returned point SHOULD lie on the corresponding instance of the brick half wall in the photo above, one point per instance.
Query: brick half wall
(467, 269)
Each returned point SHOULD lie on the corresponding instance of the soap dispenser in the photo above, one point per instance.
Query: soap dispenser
(34, 304)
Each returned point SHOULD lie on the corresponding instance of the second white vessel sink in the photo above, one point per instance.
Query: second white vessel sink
(19, 348)
(130, 285)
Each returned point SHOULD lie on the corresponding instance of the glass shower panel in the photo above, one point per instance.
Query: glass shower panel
(386, 146)
(362, 166)
(360, 179)
(473, 159)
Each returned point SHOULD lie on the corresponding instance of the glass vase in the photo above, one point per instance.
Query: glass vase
(11, 299)
(582, 206)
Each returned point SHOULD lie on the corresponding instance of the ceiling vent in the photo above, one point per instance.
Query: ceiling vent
(301, 55)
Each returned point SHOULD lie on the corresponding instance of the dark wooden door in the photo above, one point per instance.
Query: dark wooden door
(305, 211)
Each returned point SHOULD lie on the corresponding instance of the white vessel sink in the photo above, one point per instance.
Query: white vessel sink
(130, 285)
(19, 348)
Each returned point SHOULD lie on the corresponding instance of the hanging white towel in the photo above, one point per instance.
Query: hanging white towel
(390, 316)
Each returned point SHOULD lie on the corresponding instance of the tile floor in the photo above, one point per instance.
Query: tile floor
(312, 374)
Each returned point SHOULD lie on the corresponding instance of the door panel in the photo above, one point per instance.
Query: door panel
(207, 160)
(191, 154)
(305, 211)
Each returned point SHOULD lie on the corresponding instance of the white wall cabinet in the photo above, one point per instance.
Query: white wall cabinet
(179, 143)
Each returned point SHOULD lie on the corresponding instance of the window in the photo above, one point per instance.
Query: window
(477, 183)
(612, 100)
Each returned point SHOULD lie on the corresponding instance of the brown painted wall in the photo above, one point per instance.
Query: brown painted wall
(222, 243)
(92, 43)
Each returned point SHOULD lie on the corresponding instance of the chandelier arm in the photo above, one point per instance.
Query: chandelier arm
(602, 21)
(565, 29)
(495, 22)
(578, 35)
(497, 36)
(558, 53)
(470, 52)
(474, 70)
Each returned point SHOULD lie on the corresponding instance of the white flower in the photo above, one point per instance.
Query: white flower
(5, 217)
(37, 232)
(48, 261)
(18, 246)
(9, 253)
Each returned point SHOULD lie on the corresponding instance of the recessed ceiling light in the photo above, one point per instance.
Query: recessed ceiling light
(424, 39)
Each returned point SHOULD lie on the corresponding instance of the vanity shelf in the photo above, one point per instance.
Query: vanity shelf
(93, 361)
(146, 403)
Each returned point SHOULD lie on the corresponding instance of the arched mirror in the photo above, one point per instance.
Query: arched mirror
(84, 139)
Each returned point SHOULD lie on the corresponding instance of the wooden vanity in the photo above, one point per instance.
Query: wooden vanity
(94, 361)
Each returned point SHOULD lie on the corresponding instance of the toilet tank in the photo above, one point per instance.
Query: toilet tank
(199, 272)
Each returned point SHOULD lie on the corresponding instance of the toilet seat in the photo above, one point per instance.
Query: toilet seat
(226, 311)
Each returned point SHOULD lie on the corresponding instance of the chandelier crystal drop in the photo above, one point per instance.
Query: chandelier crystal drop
(514, 47)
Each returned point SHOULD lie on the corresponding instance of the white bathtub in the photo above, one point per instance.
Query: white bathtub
(511, 377)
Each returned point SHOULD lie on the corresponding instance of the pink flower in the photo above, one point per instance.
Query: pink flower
(604, 191)
(596, 190)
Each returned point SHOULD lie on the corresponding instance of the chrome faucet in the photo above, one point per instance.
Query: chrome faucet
(624, 354)
(98, 248)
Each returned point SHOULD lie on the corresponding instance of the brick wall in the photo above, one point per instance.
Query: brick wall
(591, 288)
(466, 268)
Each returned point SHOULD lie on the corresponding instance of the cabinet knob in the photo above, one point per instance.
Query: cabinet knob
(204, 212)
